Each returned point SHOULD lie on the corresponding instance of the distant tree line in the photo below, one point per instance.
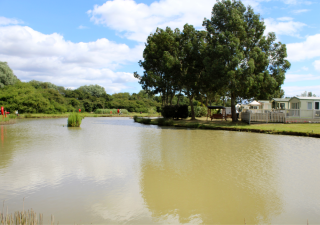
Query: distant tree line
(230, 59)
(45, 97)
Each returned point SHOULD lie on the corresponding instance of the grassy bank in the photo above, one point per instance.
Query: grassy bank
(10, 119)
(309, 130)
(66, 115)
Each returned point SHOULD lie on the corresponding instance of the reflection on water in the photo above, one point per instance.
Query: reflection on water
(113, 170)
(213, 177)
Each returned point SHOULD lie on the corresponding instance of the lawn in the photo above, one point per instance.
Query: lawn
(305, 129)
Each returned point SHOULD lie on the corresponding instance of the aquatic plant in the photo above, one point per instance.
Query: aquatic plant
(23, 218)
(74, 120)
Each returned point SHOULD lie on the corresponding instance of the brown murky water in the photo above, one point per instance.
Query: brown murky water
(115, 171)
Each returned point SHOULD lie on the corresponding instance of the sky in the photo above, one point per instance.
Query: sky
(82, 42)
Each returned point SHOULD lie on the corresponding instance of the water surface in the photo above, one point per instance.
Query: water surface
(112, 170)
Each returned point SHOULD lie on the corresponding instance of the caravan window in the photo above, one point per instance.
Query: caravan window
(316, 105)
(309, 105)
(295, 105)
(282, 106)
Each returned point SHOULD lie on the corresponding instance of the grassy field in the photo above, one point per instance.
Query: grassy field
(307, 129)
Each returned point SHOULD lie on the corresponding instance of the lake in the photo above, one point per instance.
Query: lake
(112, 170)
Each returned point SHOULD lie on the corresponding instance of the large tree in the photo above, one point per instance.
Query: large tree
(240, 59)
(161, 64)
(6, 75)
(192, 46)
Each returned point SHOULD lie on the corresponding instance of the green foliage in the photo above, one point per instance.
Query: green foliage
(74, 120)
(113, 111)
(239, 59)
(141, 120)
(6, 75)
(199, 111)
(164, 122)
(94, 90)
(175, 111)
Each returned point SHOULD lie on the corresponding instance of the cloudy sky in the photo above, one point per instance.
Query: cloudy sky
(78, 42)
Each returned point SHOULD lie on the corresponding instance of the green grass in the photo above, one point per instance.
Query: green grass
(85, 114)
(10, 119)
(74, 120)
(306, 129)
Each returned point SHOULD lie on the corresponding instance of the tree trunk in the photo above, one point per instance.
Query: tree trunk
(233, 108)
(224, 101)
(178, 98)
(193, 117)
(207, 107)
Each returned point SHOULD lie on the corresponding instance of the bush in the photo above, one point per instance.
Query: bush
(152, 111)
(74, 120)
(199, 111)
(164, 122)
(107, 111)
(175, 111)
(143, 110)
(141, 120)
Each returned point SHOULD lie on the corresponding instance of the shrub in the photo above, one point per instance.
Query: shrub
(175, 111)
(74, 120)
(143, 110)
(28, 115)
(164, 122)
(152, 110)
(107, 111)
(199, 111)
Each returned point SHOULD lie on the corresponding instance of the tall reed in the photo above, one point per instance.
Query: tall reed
(74, 120)
(23, 218)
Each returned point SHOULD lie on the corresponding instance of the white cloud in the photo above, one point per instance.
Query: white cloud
(300, 77)
(283, 26)
(82, 27)
(48, 57)
(298, 11)
(136, 21)
(296, 2)
(8, 21)
(291, 91)
(308, 49)
(285, 18)
(305, 68)
(317, 65)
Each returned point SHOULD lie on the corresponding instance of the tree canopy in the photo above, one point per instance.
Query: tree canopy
(232, 57)
(239, 57)
(6, 75)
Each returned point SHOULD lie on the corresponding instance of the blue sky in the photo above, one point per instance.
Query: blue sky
(78, 42)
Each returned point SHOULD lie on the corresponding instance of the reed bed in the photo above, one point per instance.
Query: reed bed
(22, 218)
(74, 120)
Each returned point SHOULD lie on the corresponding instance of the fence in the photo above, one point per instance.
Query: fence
(280, 116)
(265, 117)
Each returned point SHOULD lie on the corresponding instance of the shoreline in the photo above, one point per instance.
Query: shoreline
(238, 127)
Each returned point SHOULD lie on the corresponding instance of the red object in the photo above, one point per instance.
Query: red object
(110, 112)
(118, 110)
(79, 110)
(2, 110)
